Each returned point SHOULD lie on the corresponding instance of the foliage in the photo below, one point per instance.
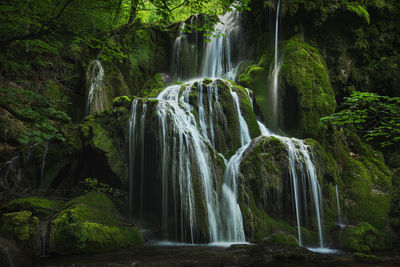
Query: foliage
(93, 185)
(39, 110)
(376, 117)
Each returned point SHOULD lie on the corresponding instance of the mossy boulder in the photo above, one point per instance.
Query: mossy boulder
(146, 48)
(89, 224)
(282, 239)
(307, 94)
(255, 77)
(361, 238)
(22, 227)
(262, 189)
(38, 206)
(104, 135)
(395, 202)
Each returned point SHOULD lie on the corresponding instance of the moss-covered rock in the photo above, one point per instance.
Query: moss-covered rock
(146, 47)
(22, 227)
(282, 239)
(361, 238)
(88, 224)
(307, 92)
(100, 133)
(395, 202)
(38, 206)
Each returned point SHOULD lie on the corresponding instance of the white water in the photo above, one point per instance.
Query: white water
(175, 116)
(43, 163)
(142, 143)
(302, 171)
(217, 55)
(185, 146)
(274, 78)
(132, 146)
(301, 167)
(339, 222)
(97, 98)
(231, 212)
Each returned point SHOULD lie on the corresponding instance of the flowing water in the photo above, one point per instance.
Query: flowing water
(43, 163)
(97, 97)
(301, 167)
(274, 78)
(132, 144)
(186, 147)
(339, 222)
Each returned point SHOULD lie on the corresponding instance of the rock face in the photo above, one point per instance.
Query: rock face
(89, 224)
(86, 224)
(307, 92)
(22, 227)
(201, 129)
(266, 197)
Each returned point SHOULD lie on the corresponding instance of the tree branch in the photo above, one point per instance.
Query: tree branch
(44, 29)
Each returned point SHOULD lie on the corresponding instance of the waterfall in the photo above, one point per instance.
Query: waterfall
(97, 97)
(274, 78)
(302, 172)
(217, 55)
(43, 163)
(179, 45)
(176, 119)
(231, 212)
(301, 167)
(186, 147)
(6, 252)
(132, 144)
(339, 222)
(142, 143)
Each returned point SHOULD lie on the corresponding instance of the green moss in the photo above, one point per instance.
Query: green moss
(38, 206)
(147, 55)
(304, 73)
(94, 207)
(122, 101)
(89, 237)
(20, 226)
(364, 257)
(283, 239)
(90, 223)
(152, 86)
(356, 8)
(72, 135)
(395, 202)
(247, 111)
(98, 130)
(361, 238)
(255, 78)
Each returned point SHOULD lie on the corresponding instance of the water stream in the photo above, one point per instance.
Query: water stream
(97, 97)
(186, 144)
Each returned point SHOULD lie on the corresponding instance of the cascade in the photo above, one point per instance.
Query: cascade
(132, 144)
(301, 167)
(142, 143)
(339, 222)
(274, 78)
(217, 60)
(174, 116)
(97, 98)
(43, 163)
(186, 144)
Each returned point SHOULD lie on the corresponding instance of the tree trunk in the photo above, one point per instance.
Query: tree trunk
(134, 7)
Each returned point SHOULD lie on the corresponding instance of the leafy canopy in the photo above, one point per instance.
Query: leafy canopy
(376, 117)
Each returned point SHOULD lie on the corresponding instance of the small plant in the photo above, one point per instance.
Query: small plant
(93, 185)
